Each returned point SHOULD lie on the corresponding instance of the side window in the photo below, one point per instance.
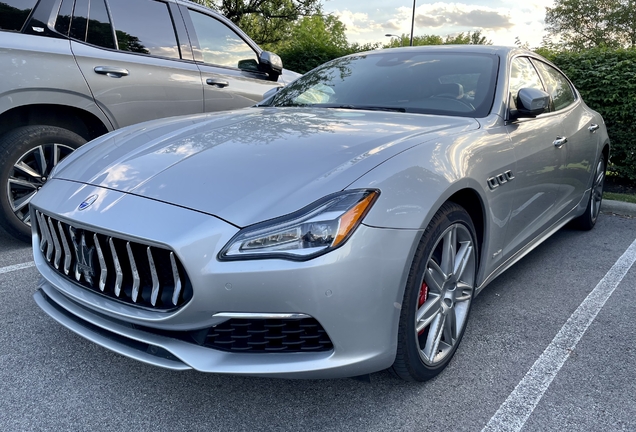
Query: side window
(558, 86)
(145, 27)
(100, 31)
(63, 21)
(13, 13)
(523, 75)
(220, 45)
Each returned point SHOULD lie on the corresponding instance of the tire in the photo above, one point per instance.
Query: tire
(27, 156)
(425, 347)
(588, 219)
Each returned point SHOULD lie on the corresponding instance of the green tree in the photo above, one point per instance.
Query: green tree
(313, 41)
(470, 38)
(582, 24)
(474, 38)
(265, 21)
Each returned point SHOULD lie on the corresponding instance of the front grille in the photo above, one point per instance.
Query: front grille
(269, 335)
(130, 272)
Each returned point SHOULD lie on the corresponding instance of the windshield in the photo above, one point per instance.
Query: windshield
(456, 84)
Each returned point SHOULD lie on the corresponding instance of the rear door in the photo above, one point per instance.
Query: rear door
(228, 62)
(581, 146)
(136, 58)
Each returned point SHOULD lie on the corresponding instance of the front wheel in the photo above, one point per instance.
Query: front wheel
(27, 156)
(438, 295)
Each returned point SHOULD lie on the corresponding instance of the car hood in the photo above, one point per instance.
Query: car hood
(254, 164)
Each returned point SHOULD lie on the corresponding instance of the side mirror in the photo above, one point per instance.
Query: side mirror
(271, 64)
(530, 103)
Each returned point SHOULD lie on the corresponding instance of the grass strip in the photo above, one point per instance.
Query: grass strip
(620, 197)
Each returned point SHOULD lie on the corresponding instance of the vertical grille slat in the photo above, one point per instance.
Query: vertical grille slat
(67, 251)
(38, 216)
(135, 273)
(49, 241)
(103, 272)
(177, 280)
(119, 274)
(56, 244)
(73, 234)
(155, 278)
(127, 271)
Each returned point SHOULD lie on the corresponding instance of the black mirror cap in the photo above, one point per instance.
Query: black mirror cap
(530, 103)
(271, 64)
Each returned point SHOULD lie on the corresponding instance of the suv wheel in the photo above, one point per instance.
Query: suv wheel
(27, 156)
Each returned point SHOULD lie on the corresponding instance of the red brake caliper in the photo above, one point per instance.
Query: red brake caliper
(422, 299)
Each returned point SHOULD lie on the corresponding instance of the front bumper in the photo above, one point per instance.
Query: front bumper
(354, 292)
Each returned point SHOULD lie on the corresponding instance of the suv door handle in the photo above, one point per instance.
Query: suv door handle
(217, 82)
(558, 143)
(113, 72)
(593, 127)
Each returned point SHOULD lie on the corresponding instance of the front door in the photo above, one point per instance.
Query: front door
(228, 63)
(539, 165)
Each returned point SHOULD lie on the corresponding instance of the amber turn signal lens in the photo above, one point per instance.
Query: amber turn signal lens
(353, 217)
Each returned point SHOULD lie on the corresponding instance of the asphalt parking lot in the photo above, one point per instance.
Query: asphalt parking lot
(550, 346)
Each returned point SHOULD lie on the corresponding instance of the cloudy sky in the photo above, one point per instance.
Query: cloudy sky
(500, 20)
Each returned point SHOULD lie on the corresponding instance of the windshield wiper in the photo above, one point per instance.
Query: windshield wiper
(360, 107)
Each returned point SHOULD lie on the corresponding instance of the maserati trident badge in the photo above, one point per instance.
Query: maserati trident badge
(83, 257)
(87, 202)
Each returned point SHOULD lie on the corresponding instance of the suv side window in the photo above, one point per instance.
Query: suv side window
(63, 21)
(13, 13)
(558, 86)
(145, 27)
(523, 75)
(91, 26)
(220, 45)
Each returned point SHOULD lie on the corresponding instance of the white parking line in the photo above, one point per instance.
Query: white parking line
(16, 267)
(515, 411)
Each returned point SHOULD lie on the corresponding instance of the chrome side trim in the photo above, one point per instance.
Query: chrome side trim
(240, 315)
(526, 250)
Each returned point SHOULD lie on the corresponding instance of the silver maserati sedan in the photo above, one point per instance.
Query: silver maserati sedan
(342, 226)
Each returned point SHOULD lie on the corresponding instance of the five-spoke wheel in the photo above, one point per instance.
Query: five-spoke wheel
(438, 295)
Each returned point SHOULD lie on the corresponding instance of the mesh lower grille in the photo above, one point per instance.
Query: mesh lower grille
(269, 335)
(130, 272)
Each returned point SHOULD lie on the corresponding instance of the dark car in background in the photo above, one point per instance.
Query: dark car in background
(72, 70)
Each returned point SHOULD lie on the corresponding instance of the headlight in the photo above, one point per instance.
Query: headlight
(305, 234)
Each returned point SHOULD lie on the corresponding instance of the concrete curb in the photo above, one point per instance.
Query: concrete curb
(618, 207)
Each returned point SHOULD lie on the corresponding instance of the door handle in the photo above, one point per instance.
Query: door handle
(558, 143)
(113, 72)
(216, 82)
(593, 127)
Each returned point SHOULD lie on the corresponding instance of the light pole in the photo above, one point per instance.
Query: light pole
(413, 22)
(399, 37)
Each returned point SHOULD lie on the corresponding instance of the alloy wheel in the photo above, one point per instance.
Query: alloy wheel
(29, 174)
(597, 189)
(446, 291)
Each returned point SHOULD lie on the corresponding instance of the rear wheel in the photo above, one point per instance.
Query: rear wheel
(438, 295)
(27, 156)
(588, 219)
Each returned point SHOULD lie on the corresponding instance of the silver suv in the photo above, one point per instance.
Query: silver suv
(72, 70)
